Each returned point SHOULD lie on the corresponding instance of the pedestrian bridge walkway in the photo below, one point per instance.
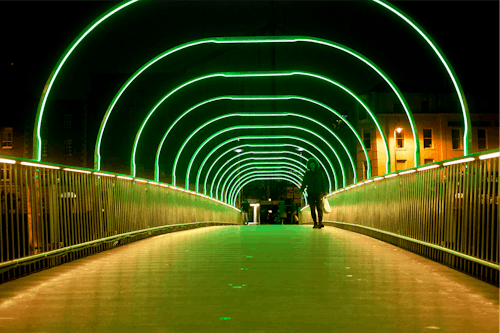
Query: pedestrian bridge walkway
(257, 278)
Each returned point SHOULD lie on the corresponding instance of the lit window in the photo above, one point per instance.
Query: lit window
(481, 139)
(456, 139)
(367, 139)
(68, 147)
(7, 136)
(427, 138)
(68, 121)
(424, 106)
(428, 160)
(44, 147)
(400, 139)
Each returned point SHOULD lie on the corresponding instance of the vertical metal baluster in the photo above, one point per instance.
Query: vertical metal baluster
(431, 233)
(483, 215)
(472, 212)
(465, 199)
(495, 232)
(470, 209)
(497, 218)
(2, 232)
(18, 198)
(93, 207)
(488, 220)
(78, 211)
(449, 210)
(11, 212)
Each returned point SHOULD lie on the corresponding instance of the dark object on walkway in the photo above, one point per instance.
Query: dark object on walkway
(316, 184)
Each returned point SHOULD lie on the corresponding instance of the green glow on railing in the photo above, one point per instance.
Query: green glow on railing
(258, 127)
(284, 174)
(284, 145)
(277, 97)
(229, 179)
(279, 114)
(239, 156)
(447, 65)
(288, 39)
(37, 138)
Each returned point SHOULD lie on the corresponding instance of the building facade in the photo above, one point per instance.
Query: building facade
(440, 129)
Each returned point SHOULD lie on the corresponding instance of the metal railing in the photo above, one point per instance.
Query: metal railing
(446, 211)
(51, 214)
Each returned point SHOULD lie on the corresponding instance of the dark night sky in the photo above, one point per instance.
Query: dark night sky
(35, 33)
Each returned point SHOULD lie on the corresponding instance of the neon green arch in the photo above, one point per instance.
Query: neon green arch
(257, 127)
(231, 177)
(254, 74)
(243, 173)
(235, 40)
(279, 114)
(264, 177)
(260, 98)
(272, 145)
(289, 175)
(447, 65)
(37, 139)
(234, 157)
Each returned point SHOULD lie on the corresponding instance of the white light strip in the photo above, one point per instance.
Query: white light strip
(153, 183)
(407, 172)
(164, 185)
(428, 167)
(3, 160)
(379, 178)
(103, 174)
(122, 177)
(391, 175)
(40, 165)
(463, 160)
(485, 157)
(368, 181)
(76, 170)
(140, 181)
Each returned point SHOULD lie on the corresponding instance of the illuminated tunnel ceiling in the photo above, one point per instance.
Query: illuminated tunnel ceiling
(141, 31)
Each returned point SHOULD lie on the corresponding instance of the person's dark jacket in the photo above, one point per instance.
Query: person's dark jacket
(244, 206)
(315, 181)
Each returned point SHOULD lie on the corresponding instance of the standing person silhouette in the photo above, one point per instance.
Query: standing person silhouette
(244, 208)
(317, 187)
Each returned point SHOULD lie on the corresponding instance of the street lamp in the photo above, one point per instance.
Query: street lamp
(398, 129)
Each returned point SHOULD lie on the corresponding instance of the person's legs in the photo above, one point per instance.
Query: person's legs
(313, 205)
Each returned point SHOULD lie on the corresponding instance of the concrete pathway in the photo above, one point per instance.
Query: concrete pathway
(257, 278)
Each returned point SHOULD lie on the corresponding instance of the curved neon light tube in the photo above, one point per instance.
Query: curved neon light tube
(300, 168)
(289, 39)
(234, 193)
(275, 137)
(272, 178)
(258, 127)
(253, 74)
(239, 156)
(275, 97)
(447, 65)
(37, 138)
(260, 174)
(244, 173)
(272, 115)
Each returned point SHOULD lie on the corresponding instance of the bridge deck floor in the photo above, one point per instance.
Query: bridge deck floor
(259, 278)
